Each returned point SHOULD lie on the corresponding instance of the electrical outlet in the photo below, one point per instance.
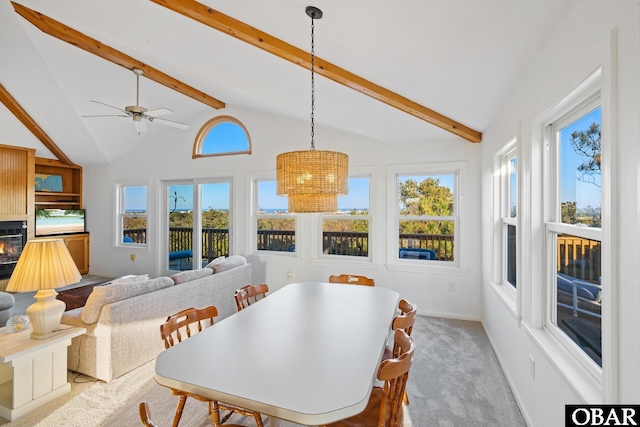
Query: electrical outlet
(532, 367)
(452, 287)
(133, 257)
(289, 275)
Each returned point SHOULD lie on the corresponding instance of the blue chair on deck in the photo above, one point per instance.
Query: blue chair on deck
(176, 259)
(418, 253)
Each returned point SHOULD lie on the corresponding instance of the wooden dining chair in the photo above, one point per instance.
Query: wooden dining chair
(171, 333)
(145, 415)
(250, 294)
(404, 321)
(384, 408)
(350, 279)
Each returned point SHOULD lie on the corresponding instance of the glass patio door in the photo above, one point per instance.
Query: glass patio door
(197, 223)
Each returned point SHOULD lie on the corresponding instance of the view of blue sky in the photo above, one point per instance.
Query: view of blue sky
(135, 199)
(513, 187)
(446, 180)
(214, 196)
(225, 137)
(572, 189)
(358, 197)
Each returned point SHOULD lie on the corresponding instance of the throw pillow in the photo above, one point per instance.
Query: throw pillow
(107, 294)
(215, 262)
(130, 278)
(189, 275)
(230, 262)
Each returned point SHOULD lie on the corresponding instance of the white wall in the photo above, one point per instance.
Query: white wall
(271, 135)
(592, 33)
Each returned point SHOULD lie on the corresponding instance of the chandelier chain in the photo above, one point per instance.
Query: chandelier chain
(313, 93)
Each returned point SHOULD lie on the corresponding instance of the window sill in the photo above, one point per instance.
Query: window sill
(276, 256)
(428, 266)
(356, 262)
(138, 247)
(582, 382)
(507, 298)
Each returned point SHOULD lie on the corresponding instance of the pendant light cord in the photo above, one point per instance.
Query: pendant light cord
(313, 94)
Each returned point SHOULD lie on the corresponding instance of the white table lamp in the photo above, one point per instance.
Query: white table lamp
(45, 264)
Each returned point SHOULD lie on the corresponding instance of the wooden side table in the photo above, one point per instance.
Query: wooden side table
(32, 372)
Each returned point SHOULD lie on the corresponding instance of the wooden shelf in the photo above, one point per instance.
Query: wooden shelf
(71, 195)
(59, 202)
(69, 203)
(51, 193)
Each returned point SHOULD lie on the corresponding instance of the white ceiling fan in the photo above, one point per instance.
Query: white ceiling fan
(140, 114)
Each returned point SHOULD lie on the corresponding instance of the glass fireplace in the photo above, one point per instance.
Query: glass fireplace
(13, 237)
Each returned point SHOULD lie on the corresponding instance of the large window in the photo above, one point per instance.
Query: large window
(426, 218)
(198, 222)
(275, 226)
(573, 228)
(346, 233)
(132, 215)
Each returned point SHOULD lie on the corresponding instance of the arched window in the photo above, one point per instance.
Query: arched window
(222, 136)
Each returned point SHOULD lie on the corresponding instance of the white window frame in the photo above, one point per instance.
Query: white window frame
(584, 100)
(120, 215)
(197, 219)
(505, 218)
(252, 237)
(461, 238)
(370, 239)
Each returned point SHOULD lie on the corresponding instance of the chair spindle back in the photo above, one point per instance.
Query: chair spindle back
(184, 320)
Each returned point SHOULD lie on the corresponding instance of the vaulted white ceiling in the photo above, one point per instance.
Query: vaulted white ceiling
(457, 57)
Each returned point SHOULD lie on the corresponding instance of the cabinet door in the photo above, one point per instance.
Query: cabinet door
(16, 182)
(78, 246)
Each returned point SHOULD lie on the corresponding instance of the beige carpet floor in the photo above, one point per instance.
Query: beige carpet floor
(455, 381)
(115, 404)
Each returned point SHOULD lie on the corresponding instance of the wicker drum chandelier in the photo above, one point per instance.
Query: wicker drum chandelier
(312, 179)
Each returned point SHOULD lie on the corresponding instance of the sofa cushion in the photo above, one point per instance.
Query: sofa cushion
(107, 294)
(130, 278)
(189, 275)
(229, 262)
(6, 300)
(215, 262)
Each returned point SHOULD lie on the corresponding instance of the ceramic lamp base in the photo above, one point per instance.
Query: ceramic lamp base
(45, 314)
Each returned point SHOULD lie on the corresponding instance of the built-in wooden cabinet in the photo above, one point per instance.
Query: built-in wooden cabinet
(71, 195)
(16, 183)
(78, 245)
(69, 198)
(19, 200)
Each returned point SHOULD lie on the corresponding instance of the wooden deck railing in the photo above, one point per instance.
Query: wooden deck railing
(215, 242)
(579, 257)
(576, 256)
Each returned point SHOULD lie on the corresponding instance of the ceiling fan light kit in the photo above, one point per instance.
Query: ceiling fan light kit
(312, 180)
(139, 114)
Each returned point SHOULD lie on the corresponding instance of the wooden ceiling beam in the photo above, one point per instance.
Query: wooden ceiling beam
(17, 110)
(82, 41)
(219, 21)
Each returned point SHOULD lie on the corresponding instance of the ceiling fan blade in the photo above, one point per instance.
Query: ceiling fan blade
(111, 106)
(168, 123)
(140, 125)
(107, 115)
(158, 112)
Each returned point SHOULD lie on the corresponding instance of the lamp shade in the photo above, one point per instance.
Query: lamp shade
(43, 264)
(312, 179)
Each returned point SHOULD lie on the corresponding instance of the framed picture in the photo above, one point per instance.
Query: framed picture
(52, 183)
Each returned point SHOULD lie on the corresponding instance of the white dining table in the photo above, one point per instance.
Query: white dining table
(307, 353)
